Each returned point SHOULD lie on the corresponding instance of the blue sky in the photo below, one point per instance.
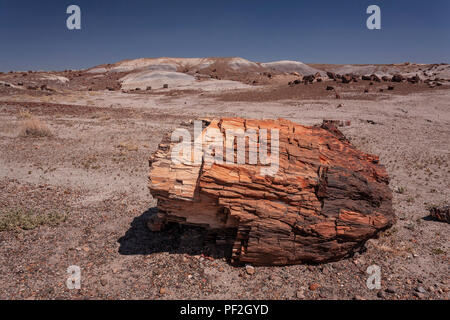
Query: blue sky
(33, 34)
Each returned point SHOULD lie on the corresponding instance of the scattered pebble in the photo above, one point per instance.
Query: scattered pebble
(300, 294)
(250, 269)
(420, 289)
(419, 295)
(314, 286)
(391, 290)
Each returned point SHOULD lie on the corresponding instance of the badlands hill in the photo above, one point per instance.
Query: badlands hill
(204, 74)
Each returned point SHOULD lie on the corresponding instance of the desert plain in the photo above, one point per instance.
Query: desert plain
(74, 169)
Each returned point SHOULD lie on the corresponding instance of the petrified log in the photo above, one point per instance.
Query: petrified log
(397, 78)
(331, 75)
(347, 78)
(322, 203)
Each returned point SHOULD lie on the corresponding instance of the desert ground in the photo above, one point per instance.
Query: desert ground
(74, 168)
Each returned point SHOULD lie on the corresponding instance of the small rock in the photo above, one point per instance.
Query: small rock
(103, 281)
(381, 294)
(356, 297)
(300, 294)
(391, 290)
(420, 289)
(419, 295)
(162, 291)
(250, 269)
(314, 286)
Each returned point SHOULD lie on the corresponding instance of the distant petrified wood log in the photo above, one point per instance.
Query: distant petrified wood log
(322, 203)
(310, 78)
(331, 75)
(441, 213)
(414, 79)
(347, 78)
(375, 78)
(397, 78)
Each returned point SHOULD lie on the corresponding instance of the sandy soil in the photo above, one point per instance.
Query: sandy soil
(94, 170)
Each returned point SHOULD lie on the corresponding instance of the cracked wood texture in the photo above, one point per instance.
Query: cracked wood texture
(326, 199)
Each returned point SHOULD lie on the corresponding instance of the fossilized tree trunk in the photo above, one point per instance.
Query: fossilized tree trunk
(326, 199)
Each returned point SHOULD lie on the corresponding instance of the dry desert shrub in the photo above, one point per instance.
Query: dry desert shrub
(16, 219)
(24, 114)
(35, 128)
(130, 146)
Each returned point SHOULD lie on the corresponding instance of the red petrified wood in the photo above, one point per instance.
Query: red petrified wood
(326, 199)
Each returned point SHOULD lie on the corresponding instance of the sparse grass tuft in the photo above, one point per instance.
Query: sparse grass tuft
(35, 128)
(90, 162)
(24, 114)
(437, 251)
(17, 219)
(129, 146)
(400, 190)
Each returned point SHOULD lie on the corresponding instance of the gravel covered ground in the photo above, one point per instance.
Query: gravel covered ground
(91, 173)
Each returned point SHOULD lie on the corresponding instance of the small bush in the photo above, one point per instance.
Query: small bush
(24, 114)
(27, 220)
(130, 146)
(437, 251)
(400, 190)
(35, 128)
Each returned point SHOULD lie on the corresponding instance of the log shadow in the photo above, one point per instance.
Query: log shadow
(175, 238)
(431, 218)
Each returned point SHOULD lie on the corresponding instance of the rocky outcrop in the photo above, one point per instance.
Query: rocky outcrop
(325, 199)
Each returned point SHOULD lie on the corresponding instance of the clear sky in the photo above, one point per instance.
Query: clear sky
(34, 35)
